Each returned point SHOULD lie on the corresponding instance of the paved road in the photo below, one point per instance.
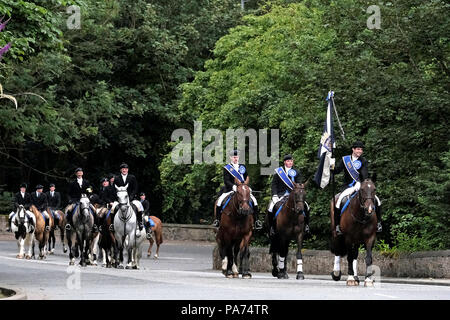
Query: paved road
(183, 272)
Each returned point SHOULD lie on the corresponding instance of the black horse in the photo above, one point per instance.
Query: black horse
(290, 224)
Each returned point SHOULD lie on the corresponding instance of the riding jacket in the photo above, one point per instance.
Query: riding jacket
(25, 200)
(363, 172)
(54, 201)
(279, 188)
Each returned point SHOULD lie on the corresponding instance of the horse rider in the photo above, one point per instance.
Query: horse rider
(106, 193)
(146, 205)
(231, 171)
(128, 179)
(54, 201)
(281, 188)
(357, 170)
(39, 200)
(21, 198)
(76, 188)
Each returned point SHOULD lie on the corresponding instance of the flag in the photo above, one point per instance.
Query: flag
(327, 143)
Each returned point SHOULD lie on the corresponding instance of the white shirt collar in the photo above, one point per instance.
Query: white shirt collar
(23, 194)
(287, 169)
(354, 158)
(124, 178)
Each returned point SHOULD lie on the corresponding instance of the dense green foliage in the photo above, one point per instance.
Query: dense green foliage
(116, 89)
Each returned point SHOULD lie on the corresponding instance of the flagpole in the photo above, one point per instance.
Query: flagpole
(332, 156)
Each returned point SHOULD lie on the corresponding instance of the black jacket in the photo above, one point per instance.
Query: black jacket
(55, 201)
(132, 185)
(279, 188)
(228, 179)
(363, 171)
(19, 200)
(39, 202)
(75, 191)
(146, 206)
(107, 195)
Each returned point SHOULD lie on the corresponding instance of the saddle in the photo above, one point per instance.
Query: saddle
(279, 205)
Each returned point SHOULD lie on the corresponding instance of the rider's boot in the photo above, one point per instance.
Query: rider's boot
(337, 218)
(216, 222)
(307, 230)
(31, 221)
(258, 224)
(378, 213)
(139, 220)
(69, 222)
(8, 227)
(272, 223)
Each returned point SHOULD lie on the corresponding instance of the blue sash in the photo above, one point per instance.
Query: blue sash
(283, 176)
(352, 167)
(236, 174)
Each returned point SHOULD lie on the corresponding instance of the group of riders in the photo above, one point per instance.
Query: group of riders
(106, 197)
(356, 171)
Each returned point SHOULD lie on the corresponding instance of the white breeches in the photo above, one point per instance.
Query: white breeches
(276, 199)
(224, 195)
(137, 203)
(349, 191)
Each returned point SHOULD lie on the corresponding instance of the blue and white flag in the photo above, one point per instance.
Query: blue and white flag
(327, 143)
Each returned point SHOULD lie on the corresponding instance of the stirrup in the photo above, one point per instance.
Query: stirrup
(47, 228)
(379, 227)
(216, 223)
(149, 235)
(68, 227)
(338, 231)
(258, 225)
(31, 229)
(307, 230)
(111, 227)
(272, 231)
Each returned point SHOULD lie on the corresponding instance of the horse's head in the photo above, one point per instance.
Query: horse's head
(122, 198)
(243, 197)
(367, 197)
(84, 205)
(20, 215)
(299, 194)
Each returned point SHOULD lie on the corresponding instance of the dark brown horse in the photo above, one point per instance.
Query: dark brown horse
(235, 232)
(107, 240)
(290, 224)
(156, 236)
(58, 219)
(358, 225)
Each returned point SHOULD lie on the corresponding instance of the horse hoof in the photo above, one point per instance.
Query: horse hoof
(71, 263)
(351, 282)
(19, 256)
(275, 272)
(368, 283)
(156, 256)
(119, 267)
(283, 275)
(336, 275)
(300, 276)
(28, 257)
(247, 276)
(64, 250)
(135, 267)
(235, 275)
(128, 267)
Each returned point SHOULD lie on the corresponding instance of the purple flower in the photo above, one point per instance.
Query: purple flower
(3, 24)
(4, 49)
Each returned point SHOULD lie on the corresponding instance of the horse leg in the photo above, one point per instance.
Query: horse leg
(336, 273)
(234, 267)
(61, 230)
(229, 250)
(20, 244)
(351, 256)
(149, 252)
(130, 251)
(157, 250)
(300, 275)
(282, 274)
(245, 258)
(368, 282)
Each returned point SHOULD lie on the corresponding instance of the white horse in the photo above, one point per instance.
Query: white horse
(24, 231)
(125, 230)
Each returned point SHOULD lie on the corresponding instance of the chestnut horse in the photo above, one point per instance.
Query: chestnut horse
(40, 234)
(359, 225)
(235, 232)
(156, 236)
(107, 240)
(290, 224)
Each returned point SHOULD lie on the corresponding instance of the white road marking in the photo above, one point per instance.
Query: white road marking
(385, 295)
